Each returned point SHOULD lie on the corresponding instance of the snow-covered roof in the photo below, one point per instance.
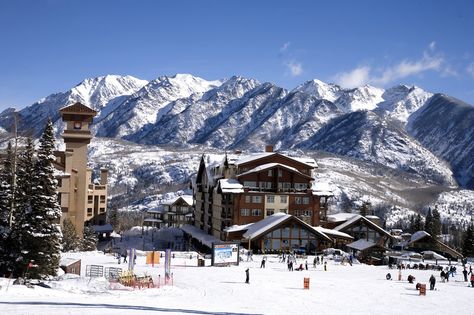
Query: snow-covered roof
(272, 165)
(427, 254)
(200, 235)
(418, 236)
(229, 185)
(186, 198)
(340, 217)
(237, 228)
(358, 217)
(66, 261)
(361, 244)
(260, 227)
(332, 233)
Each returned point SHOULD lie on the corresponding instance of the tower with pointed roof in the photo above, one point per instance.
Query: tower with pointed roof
(82, 201)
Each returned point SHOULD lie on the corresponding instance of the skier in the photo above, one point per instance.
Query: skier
(247, 276)
(124, 255)
(325, 266)
(314, 262)
(432, 282)
(262, 265)
(472, 280)
(306, 265)
(443, 276)
(464, 272)
(410, 279)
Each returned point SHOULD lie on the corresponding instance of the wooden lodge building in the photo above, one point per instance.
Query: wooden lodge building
(240, 190)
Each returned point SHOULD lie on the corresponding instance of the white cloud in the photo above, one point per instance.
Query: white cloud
(470, 69)
(354, 78)
(383, 76)
(295, 68)
(285, 47)
(432, 45)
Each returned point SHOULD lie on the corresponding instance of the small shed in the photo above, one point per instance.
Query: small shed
(71, 265)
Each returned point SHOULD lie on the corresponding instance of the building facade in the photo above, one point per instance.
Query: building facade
(246, 189)
(81, 200)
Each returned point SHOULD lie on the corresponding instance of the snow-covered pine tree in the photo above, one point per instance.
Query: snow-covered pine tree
(89, 240)
(44, 237)
(70, 239)
(6, 181)
(23, 192)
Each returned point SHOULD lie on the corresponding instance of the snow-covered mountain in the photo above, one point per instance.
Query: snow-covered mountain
(404, 128)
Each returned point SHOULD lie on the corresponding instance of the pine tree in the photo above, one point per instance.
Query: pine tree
(89, 240)
(70, 239)
(468, 242)
(436, 223)
(6, 183)
(23, 193)
(43, 240)
(113, 219)
(429, 222)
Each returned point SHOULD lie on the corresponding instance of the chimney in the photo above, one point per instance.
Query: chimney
(269, 148)
(103, 176)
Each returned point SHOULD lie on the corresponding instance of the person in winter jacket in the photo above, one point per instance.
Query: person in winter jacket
(472, 280)
(247, 276)
(464, 272)
(432, 282)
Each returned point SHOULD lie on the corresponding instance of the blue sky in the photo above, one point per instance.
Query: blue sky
(50, 46)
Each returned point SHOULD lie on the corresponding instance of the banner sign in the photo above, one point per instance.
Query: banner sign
(167, 264)
(225, 254)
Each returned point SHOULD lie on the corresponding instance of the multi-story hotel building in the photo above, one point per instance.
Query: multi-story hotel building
(246, 189)
(81, 200)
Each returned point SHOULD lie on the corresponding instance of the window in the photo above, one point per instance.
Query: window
(280, 173)
(248, 199)
(270, 173)
(89, 212)
(270, 199)
(77, 125)
(270, 211)
(90, 199)
(59, 198)
(256, 212)
(60, 182)
(102, 199)
(305, 200)
(298, 200)
(245, 212)
(256, 199)
(301, 186)
(102, 210)
(284, 210)
(251, 184)
(283, 199)
(266, 185)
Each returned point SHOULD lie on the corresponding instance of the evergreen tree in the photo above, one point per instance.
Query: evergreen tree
(417, 224)
(43, 240)
(70, 239)
(468, 242)
(6, 196)
(89, 240)
(429, 222)
(113, 219)
(23, 193)
(436, 223)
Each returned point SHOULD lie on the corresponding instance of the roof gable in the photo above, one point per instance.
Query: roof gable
(357, 219)
(78, 108)
(268, 166)
(269, 155)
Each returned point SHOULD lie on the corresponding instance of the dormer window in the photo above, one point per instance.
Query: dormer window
(77, 125)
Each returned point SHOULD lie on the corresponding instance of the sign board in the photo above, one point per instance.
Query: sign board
(153, 258)
(224, 254)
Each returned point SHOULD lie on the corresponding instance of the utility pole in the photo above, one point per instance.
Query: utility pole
(12, 204)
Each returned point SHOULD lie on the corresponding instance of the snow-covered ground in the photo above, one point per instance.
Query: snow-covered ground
(342, 289)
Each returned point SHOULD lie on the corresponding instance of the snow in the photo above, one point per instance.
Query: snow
(361, 244)
(259, 227)
(331, 232)
(342, 289)
(200, 235)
